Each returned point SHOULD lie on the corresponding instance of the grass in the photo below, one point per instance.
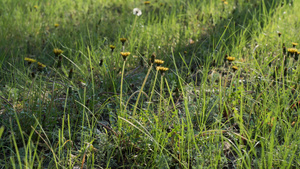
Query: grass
(88, 108)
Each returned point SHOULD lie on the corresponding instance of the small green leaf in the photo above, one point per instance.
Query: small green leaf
(1, 131)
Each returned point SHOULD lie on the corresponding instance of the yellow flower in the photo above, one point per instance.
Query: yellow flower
(296, 50)
(234, 68)
(226, 3)
(125, 54)
(56, 25)
(147, 2)
(35, 7)
(230, 59)
(162, 69)
(123, 40)
(294, 44)
(41, 65)
(158, 62)
(112, 46)
(57, 51)
(292, 50)
(29, 60)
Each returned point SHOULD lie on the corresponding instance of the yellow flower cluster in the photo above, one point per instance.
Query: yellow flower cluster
(29, 60)
(33, 61)
(229, 58)
(292, 50)
(57, 51)
(147, 2)
(158, 62)
(294, 44)
(125, 54)
(56, 25)
(162, 69)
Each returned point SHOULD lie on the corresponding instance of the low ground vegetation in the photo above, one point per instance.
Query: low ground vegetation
(149, 84)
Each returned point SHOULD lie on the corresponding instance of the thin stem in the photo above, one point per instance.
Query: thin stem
(152, 90)
(160, 97)
(133, 26)
(136, 103)
(121, 91)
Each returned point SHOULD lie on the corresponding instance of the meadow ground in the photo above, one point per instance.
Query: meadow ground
(172, 84)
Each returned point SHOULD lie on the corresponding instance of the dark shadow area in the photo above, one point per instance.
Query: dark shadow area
(245, 19)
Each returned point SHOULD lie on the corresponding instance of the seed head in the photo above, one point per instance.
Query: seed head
(137, 11)
(153, 56)
(59, 61)
(279, 34)
(71, 73)
(284, 49)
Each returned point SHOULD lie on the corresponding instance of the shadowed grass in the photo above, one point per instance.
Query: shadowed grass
(200, 113)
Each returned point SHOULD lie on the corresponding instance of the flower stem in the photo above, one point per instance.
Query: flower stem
(121, 91)
(160, 96)
(152, 89)
(133, 26)
(140, 92)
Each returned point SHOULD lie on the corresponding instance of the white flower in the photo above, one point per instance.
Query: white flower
(137, 11)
